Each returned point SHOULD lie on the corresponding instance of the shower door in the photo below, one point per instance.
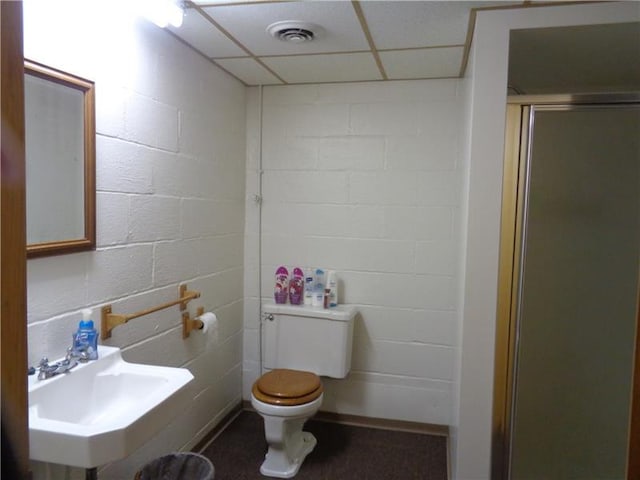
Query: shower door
(575, 292)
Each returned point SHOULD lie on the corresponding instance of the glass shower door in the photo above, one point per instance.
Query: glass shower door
(578, 294)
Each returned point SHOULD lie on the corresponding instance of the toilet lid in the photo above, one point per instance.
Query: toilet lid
(287, 387)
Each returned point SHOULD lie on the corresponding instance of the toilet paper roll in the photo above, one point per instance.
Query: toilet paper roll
(209, 321)
(209, 326)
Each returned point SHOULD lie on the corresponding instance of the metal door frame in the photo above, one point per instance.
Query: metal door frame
(519, 125)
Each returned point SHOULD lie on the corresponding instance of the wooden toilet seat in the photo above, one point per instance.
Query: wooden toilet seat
(287, 387)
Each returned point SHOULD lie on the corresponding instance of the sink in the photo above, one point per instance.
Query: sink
(102, 410)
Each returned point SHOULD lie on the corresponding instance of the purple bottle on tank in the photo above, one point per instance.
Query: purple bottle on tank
(296, 286)
(282, 285)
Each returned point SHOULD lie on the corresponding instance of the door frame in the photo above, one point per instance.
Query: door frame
(514, 176)
(13, 285)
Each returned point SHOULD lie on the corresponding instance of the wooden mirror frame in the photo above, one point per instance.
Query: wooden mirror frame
(88, 242)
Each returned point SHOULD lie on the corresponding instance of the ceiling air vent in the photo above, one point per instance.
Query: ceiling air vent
(293, 32)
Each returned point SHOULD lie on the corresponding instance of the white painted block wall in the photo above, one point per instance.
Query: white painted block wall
(170, 208)
(364, 179)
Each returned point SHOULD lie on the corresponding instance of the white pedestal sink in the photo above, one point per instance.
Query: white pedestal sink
(102, 410)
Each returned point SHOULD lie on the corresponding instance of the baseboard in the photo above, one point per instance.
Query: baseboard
(371, 422)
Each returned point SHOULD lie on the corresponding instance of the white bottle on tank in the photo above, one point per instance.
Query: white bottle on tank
(318, 288)
(332, 285)
(309, 281)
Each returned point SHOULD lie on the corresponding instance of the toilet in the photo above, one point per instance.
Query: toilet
(300, 344)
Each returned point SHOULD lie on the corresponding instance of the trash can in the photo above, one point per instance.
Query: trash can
(177, 466)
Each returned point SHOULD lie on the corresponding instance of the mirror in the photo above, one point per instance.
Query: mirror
(60, 161)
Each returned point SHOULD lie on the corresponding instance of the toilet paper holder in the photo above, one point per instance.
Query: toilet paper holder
(189, 324)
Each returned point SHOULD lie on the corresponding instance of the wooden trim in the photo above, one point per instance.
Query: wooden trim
(633, 458)
(227, 34)
(383, 423)
(345, 52)
(233, 3)
(208, 59)
(13, 281)
(367, 33)
(87, 89)
(471, 26)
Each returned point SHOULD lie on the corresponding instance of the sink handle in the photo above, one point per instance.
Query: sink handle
(45, 370)
(80, 354)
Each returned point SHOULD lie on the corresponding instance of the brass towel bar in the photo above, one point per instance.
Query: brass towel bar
(111, 320)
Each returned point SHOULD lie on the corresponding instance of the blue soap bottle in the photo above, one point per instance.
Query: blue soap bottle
(86, 338)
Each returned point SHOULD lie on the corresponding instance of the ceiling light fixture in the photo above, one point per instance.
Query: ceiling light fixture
(293, 31)
(162, 12)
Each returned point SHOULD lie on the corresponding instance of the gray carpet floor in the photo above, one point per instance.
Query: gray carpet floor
(343, 452)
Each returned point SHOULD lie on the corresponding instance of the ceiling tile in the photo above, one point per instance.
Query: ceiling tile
(340, 27)
(402, 32)
(346, 67)
(418, 24)
(422, 63)
(249, 71)
(203, 36)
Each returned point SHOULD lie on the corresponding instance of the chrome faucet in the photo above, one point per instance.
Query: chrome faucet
(46, 370)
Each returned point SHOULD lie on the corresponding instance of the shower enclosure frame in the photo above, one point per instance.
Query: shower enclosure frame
(514, 208)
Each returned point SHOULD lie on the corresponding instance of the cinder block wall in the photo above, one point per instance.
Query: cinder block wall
(170, 206)
(365, 179)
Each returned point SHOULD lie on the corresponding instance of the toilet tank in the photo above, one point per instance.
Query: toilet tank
(309, 338)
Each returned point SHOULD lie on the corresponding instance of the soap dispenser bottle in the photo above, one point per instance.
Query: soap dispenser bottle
(86, 338)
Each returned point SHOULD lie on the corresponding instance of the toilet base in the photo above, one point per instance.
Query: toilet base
(282, 464)
(287, 444)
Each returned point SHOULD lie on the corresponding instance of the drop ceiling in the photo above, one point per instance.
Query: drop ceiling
(356, 40)
(369, 40)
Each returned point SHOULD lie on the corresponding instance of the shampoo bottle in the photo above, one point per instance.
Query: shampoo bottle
(308, 287)
(296, 287)
(319, 279)
(318, 289)
(86, 338)
(282, 285)
(332, 285)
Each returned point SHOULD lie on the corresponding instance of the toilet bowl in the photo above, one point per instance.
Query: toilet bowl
(286, 399)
